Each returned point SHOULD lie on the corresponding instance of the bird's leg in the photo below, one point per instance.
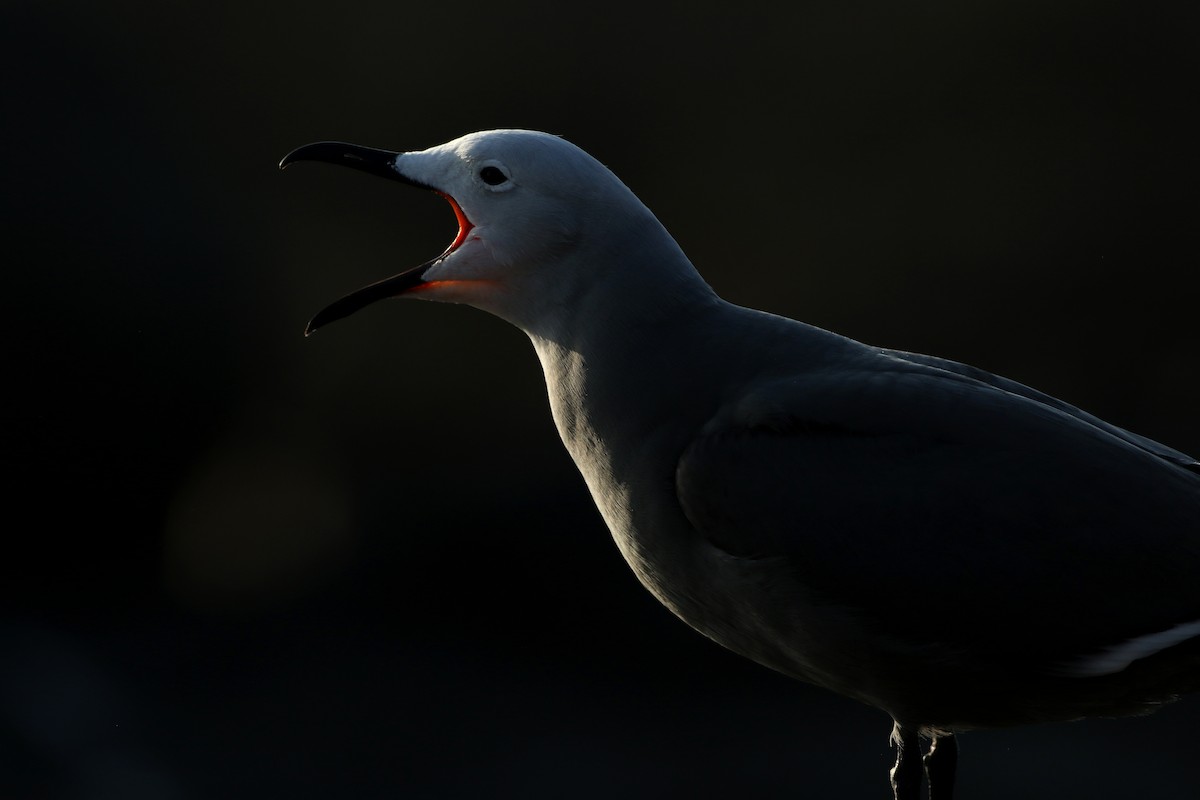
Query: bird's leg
(940, 764)
(906, 775)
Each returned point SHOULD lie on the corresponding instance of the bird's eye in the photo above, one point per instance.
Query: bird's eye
(492, 176)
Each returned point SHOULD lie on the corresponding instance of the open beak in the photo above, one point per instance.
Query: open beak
(383, 164)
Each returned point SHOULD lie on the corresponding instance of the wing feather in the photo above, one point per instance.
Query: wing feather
(1030, 527)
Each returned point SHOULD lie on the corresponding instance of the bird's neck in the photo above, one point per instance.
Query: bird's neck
(634, 372)
(621, 369)
(609, 351)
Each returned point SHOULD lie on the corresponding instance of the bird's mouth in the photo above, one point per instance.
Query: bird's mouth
(381, 163)
(464, 225)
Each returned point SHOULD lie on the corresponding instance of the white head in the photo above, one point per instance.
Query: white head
(537, 217)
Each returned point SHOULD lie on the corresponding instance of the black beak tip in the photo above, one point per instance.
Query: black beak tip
(305, 153)
(319, 151)
(366, 159)
(328, 314)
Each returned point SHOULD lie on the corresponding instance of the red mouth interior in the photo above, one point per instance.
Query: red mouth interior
(464, 224)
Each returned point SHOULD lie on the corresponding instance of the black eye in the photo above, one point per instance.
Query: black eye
(492, 176)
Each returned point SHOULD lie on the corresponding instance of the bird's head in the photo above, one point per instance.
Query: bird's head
(524, 201)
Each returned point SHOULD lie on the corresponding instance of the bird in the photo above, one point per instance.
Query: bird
(952, 547)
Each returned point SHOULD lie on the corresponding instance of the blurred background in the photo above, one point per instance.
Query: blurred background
(242, 564)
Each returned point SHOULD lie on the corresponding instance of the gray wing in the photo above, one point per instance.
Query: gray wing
(1028, 526)
(1020, 389)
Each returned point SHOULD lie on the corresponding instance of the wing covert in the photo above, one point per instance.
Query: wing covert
(874, 487)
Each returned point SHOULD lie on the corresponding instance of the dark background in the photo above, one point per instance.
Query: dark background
(242, 564)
